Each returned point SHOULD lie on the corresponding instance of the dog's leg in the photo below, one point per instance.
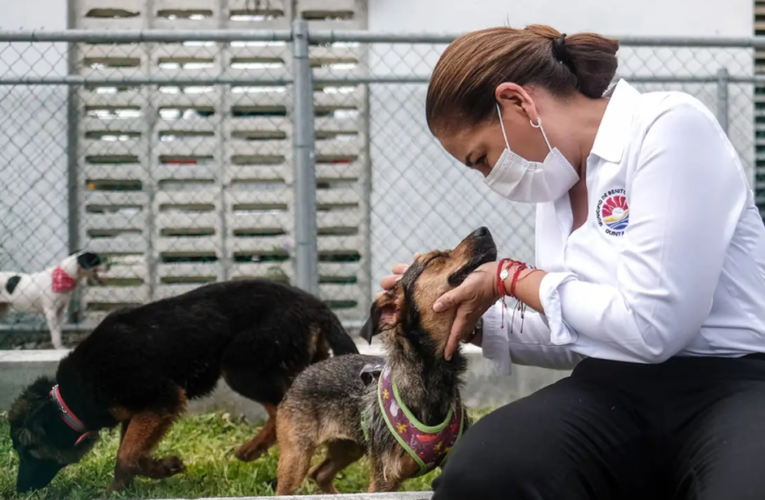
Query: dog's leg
(54, 325)
(390, 470)
(295, 452)
(140, 435)
(340, 454)
(144, 432)
(257, 446)
(123, 430)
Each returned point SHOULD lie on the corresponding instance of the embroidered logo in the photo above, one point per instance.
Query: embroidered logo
(613, 212)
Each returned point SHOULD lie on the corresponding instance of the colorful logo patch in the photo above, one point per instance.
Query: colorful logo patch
(613, 212)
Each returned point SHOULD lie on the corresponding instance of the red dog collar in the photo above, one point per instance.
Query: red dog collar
(68, 416)
(62, 282)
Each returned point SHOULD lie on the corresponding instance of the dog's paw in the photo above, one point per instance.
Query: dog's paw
(172, 465)
(249, 452)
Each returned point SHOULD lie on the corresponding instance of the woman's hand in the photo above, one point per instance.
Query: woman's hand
(390, 281)
(472, 299)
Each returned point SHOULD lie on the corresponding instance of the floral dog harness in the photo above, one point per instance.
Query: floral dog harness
(428, 446)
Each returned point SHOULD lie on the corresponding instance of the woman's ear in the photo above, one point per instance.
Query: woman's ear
(513, 98)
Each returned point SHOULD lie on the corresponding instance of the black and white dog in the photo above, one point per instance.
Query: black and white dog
(49, 291)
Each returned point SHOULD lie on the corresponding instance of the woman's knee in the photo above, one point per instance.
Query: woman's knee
(491, 461)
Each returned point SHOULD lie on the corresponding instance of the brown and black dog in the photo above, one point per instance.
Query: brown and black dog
(343, 402)
(140, 365)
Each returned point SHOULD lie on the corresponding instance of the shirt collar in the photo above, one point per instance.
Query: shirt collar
(616, 126)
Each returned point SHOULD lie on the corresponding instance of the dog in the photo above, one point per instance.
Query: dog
(403, 412)
(141, 364)
(50, 291)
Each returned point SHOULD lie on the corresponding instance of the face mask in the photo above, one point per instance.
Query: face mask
(518, 179)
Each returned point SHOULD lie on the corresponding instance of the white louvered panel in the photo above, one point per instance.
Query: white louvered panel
(111, 14)
(339, 245)
(258, 153)
(337, 125)
(106, 149)
(243, 15)
(273, 102)
(333, 148)
(173, 247)
(187, 269)
(241, 200)
(181, 200)
(263, 223)
(109, 57)
(116, 199)
(261, 125)
(243, 147)
(109, 246)
(131, 125)
(327, 172)
(196, 97)
(188, 147)
(186, 220)
(256, 178)
(116, 295)
(334, 198)
(113, 179)
(120, 271)
(257, 53)
(115, 221)
(332, 14)
(281, 271)
(167, 291)
(124, 99)
(332, 98)
(261, 246)
(185, 14)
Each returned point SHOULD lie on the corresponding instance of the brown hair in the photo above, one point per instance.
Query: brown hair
(461, 89)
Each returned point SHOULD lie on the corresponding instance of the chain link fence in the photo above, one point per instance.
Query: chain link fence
(186, 158)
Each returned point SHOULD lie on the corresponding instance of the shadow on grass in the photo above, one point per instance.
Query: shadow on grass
(206, 443)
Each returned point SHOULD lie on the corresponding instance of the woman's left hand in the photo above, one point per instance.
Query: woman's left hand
(472, 299)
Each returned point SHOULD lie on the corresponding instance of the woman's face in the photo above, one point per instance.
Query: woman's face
(479, 147)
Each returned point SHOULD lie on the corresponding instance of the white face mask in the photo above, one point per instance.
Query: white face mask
(519, 179)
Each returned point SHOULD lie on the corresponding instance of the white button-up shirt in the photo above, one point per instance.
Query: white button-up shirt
(671, 258)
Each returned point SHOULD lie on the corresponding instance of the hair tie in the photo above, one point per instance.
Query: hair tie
(559, 48)
(560, 53)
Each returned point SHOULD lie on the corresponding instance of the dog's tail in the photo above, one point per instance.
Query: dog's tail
(339, 340)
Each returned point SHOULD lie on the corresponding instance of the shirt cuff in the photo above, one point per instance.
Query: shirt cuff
(560, 333)
(495, 344)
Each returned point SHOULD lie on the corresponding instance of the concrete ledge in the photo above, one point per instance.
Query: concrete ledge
(421, 495)
(483, 388)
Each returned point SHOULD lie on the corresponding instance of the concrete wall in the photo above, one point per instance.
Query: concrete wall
(33, 138)
(483, 388)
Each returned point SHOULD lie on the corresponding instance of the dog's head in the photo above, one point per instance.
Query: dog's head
(407, 309)
(91, 265)
(43, 441)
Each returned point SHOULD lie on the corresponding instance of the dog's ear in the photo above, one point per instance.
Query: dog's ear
(89, 260)
(385, 314)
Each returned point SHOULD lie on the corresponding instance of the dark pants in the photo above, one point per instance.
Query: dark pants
(689, 428)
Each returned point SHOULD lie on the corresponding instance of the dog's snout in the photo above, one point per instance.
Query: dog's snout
(481, 233)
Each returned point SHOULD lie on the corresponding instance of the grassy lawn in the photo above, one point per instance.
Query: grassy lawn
(206, 444)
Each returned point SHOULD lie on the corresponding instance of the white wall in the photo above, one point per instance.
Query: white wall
(423, 199)
(33, 137)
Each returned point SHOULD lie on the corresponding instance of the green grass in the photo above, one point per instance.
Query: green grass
(206, 444)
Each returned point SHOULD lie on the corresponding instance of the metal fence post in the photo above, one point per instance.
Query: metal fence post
(306, 248)
(723, 78)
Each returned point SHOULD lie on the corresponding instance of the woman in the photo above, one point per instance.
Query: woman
(649, 279)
